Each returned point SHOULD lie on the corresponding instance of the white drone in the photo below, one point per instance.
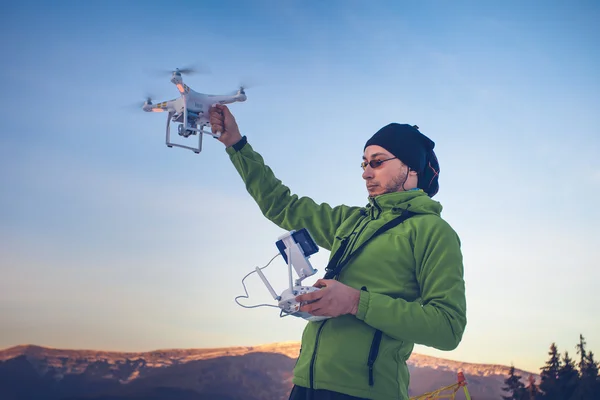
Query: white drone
(190, 110)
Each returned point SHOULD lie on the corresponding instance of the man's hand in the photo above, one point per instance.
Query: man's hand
(221, 120)
(334, 299)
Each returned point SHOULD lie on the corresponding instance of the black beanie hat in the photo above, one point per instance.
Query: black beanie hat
(414, 149)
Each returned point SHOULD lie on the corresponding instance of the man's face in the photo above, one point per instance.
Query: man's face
(387, 177)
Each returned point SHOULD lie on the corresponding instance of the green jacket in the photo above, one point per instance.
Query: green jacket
(410, 277)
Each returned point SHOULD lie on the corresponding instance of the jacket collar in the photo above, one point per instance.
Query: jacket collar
(395, 202)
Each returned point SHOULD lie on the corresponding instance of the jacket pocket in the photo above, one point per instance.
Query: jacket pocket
(298, 358)
(373, 352)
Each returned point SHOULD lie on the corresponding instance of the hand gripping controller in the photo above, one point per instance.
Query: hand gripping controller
(289, 305)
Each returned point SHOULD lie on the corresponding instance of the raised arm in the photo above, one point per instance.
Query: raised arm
(275, 200)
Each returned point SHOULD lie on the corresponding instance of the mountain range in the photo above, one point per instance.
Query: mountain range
(254, 373)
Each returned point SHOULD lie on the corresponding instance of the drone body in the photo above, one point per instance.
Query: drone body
(191, 111)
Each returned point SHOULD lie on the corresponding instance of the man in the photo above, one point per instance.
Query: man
(395, 276)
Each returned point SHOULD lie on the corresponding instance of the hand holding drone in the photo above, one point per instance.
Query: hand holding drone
(295, 247)
(191, 110)
(223, 123)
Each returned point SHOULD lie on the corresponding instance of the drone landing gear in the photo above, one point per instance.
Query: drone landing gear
(187, 129)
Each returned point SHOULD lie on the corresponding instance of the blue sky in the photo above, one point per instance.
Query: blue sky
(110, 240)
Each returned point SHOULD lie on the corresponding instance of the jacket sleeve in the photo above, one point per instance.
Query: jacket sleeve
(439, 319)
(279, 205)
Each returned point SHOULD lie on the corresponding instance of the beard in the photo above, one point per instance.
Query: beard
(396, 184)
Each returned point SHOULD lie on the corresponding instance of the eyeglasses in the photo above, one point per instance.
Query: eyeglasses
(374, 163)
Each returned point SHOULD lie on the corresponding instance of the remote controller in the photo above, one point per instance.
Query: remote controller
(290, 306)
(295, 247)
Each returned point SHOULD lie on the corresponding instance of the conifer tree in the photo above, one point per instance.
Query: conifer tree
(589, 382)
(514, 387)
(592, 375)
(549, 387)
(531, 389)
(582, 353)
(568, 377)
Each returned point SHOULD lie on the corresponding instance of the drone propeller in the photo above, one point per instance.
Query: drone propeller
(242, 87)
(189, 70)
(147, 100)
(140, 104)
(186, 71)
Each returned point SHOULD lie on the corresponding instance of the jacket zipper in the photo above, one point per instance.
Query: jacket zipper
(314, 355)
(347, 251)
(362, 228)
(342, 251)
(352, 243)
